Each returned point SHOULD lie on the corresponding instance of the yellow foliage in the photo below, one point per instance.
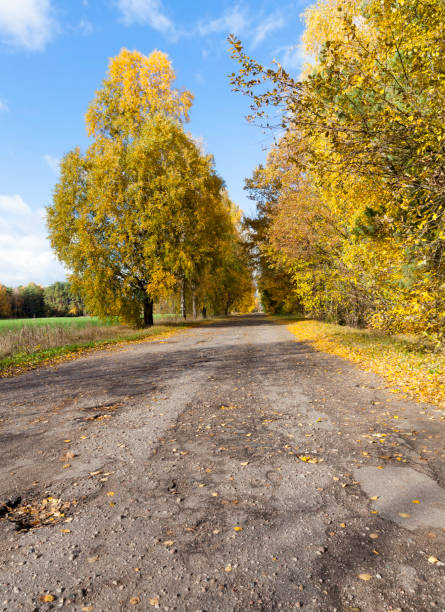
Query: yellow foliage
(405, 364)
(135, 87)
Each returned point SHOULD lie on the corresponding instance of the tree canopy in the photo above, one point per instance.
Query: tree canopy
(142, 213)
(355, 185)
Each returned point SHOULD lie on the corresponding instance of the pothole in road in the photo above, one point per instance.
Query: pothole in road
(48, 511)
(99, 416)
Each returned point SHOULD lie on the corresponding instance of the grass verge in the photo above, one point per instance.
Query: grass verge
(22, 362)
(407, 364)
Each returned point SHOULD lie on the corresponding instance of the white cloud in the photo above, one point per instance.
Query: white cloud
(233, 22)
(146, 11)
(293, 57)
(4, 108)
(25, 252)
(53, 162)
(26, 23)
(85, 27)
(273, 22)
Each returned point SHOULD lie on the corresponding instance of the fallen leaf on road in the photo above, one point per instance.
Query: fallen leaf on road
(154, 601)
(67, 440)
(309, 459)
(435, 561)
(244, 463)
(87, 608)
(374, 536)
(404, 514)
(65, 530)
(169, 542)
(365, 576)
(228, 568)
(415, 501)
(374, 497)
(110, 493)
(92, 559)
(134, 600)
(238, 528)
(47, 598)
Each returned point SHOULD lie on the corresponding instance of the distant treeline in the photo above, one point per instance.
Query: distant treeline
(56, 300)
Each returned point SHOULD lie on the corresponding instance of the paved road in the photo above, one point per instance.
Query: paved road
(224, 468)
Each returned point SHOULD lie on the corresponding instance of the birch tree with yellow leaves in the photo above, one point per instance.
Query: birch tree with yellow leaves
(362, 160)
(142, 211)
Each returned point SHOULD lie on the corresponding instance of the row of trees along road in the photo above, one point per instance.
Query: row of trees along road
(143, 214)
(351, 202)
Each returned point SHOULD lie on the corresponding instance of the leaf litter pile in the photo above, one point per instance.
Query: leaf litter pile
(32, 516)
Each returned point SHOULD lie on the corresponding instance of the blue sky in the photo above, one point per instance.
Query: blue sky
(54, 55)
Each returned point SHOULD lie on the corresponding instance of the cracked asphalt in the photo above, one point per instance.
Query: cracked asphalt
(227, 467)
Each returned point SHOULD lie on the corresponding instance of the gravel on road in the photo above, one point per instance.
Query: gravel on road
(224, 468)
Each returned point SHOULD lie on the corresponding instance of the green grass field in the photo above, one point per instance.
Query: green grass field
(76, 322)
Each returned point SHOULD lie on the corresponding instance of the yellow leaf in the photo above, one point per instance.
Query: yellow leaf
(404, 514)
(92, 559)
(365, 576)
(110, 493)
(47, 598)
(373, 536)
(169, 542)
(65, 530)
(415, 501)
(244, 463)
(374, 497)
(228, 568)
(238, 528)
(134, 600)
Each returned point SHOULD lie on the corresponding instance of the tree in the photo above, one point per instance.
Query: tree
(5, 303)
(61, 301)
(33, 304)
(141, 213)
(359, 217)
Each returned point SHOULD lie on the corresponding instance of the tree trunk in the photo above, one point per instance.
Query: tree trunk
(194, 302)
(204, 312)
(183, 306)
(148, 312)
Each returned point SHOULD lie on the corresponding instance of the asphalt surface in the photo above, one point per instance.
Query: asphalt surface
(223, 468)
